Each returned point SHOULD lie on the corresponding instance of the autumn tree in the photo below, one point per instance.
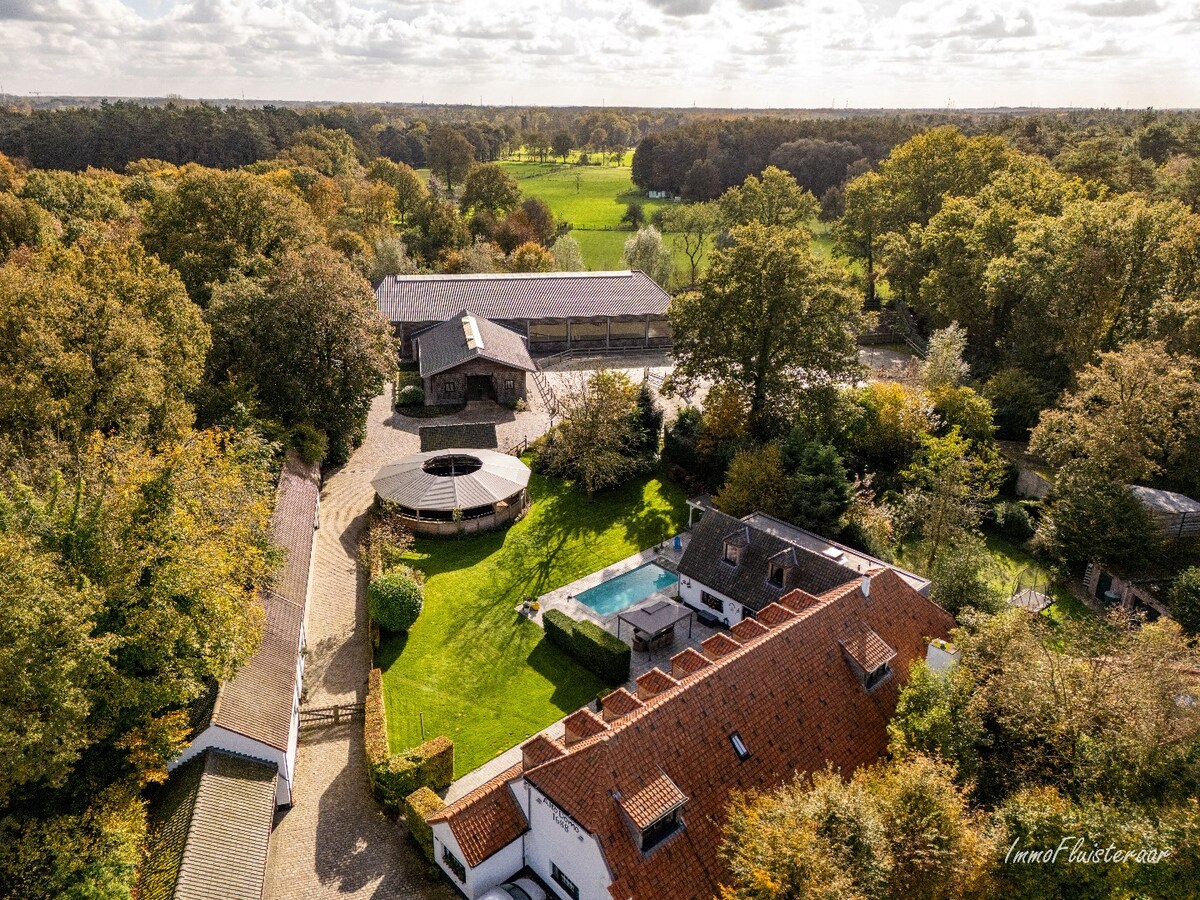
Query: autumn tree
(899, 830)
(599, 441)
(645, 252)
(1134, 416)
(450, 155)
(96, 338)
(403, 179)
(766, 314)
(775, 200)
(310, 340)
(693, 228)
(530, 257)
(568, 255)
(215, 226)
(950, 484)
(490, 189)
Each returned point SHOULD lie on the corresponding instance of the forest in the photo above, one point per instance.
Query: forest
(186, 291)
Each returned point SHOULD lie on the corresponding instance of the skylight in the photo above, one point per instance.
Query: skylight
(739, 746)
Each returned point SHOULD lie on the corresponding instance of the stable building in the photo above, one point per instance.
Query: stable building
(553, 311)
(470, 357)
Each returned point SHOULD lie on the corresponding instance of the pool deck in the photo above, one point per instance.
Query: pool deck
(563, 598)
(641, 662)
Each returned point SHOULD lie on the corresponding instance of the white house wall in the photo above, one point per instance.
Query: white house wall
(689, 593)
(554, 837)
(496, 869)
(214, 737)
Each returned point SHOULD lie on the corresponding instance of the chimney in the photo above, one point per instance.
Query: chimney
(866, 586)
(941, 657)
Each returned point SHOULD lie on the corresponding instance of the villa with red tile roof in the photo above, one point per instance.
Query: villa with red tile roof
(630, 803)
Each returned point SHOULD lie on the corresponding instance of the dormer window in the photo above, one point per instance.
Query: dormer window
(654, 812)
(732, 551)
(775, 574)
(869, 655)
(876, 677)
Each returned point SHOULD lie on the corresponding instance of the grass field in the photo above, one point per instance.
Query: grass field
(481, 673)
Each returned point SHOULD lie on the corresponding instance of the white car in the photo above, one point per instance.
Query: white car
(521, 889)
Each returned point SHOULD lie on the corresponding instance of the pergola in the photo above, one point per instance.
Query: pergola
(653, 621)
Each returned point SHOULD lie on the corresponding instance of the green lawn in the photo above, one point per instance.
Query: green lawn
(1010, 561)
(479, 672)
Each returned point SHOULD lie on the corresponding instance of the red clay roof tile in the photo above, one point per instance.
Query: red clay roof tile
(687, 662)
(748, 630)
(486, 820)
(865, 647)
(654, 682)
(582, 724)
(619, 703)
(791, 696)
(652, 802)
(539, 749)
(773, 614)
(720, 644)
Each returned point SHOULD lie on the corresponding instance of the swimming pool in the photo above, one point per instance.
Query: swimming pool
(625, 590)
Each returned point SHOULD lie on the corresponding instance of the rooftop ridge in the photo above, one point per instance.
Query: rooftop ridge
(511, 276)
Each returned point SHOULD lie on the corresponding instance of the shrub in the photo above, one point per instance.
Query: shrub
(311, 443)
(1014, 521)
(418, 806)
(395, 599)
(411, 395)
(429, 765)
(589, 645)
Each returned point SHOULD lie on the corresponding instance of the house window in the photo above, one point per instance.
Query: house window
(451, 387)
(739, 746)
(659, 831)
(731, 554)
(714, 603)
(455, 865)
(775, 574)
(564, 882)
(877, 676)
(510, 385)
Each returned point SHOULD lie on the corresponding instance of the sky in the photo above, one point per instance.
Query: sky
(725, 53)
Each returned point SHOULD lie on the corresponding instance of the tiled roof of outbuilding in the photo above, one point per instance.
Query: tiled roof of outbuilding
(789, 693)
(540, 295)
(467, 336)
(258, 700)
(293, 524)
(214, 824)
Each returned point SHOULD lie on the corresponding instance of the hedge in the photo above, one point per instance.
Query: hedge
(430, 765)
(395, 599)
(589, 645)
(396, 775)
(418, 806)
(375, 737)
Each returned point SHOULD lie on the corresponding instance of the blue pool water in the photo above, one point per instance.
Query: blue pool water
(625, 590)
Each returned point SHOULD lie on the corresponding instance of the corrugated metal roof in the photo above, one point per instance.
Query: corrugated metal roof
(258, 701)
(213, 830)
(406, 482)
(548, 295)
(468, 336)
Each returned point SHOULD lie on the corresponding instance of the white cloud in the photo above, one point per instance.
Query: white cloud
(645, 52)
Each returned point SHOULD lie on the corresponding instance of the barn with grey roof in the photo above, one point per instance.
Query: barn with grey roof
(469, 357)
(553, 311)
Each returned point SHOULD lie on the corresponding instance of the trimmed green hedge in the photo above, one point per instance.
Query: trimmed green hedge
(395, 599)
(430, 765)
(418, 806)
(394, 776)
(589, 645)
